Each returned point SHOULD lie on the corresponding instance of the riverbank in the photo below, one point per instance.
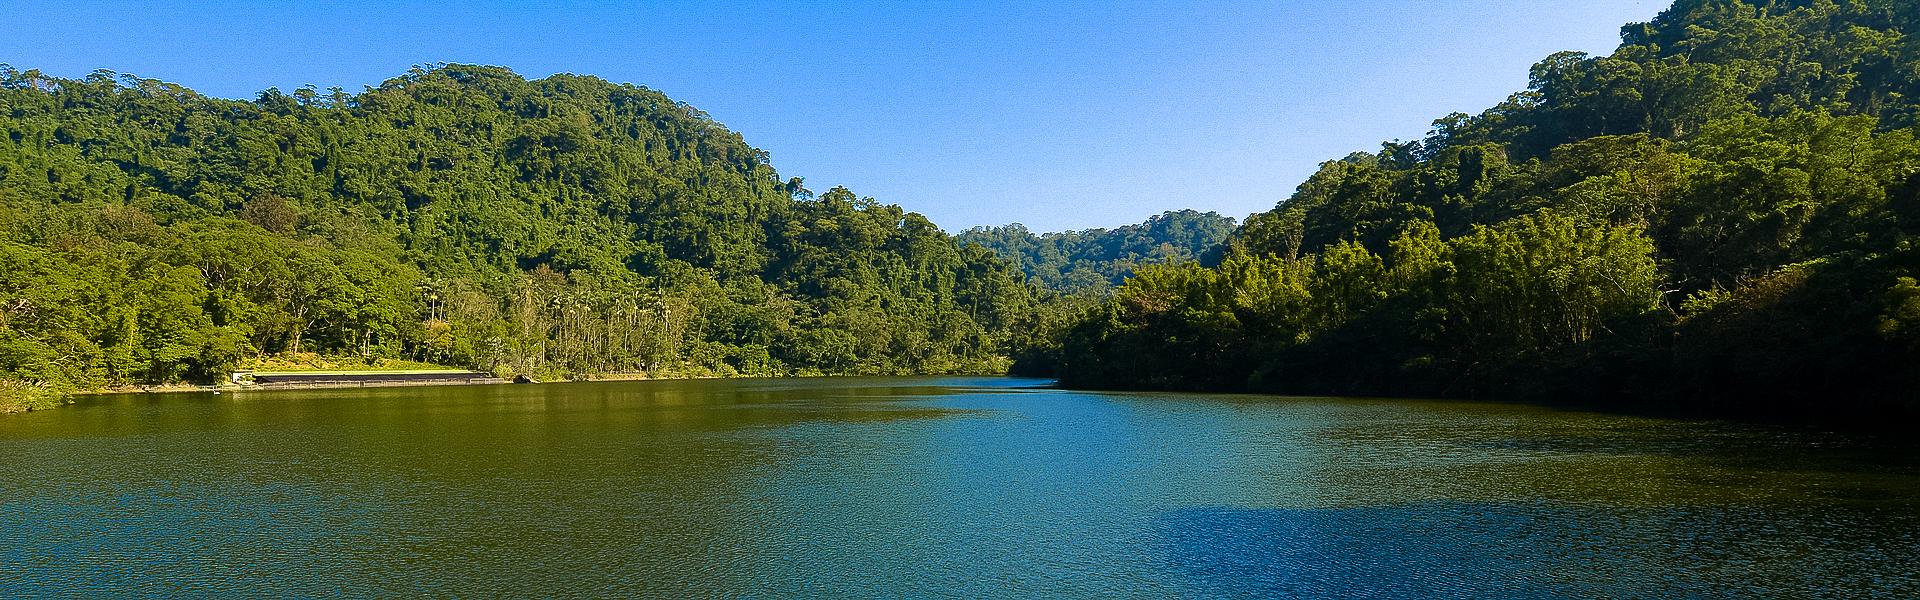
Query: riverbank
(18, 397)
(306, 380)
(318, 373)
(284, 372)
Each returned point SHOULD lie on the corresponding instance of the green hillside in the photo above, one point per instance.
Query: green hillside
(460, 215)
(1098, 259)
(1721, 214)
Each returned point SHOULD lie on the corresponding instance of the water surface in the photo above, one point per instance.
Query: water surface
(917, 487)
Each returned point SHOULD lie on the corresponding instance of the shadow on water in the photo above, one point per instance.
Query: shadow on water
(886, 487)
(1453, 550)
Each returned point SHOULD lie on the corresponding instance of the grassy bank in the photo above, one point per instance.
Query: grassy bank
(312, 362)
(18, 396)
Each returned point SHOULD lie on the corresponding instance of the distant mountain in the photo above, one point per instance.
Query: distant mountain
(1102, 258)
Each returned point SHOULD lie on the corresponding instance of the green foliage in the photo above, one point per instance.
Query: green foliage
(456, 214)
(1473, 305)
(1544, 282)
(1724, 208)
(1723, 212)
(1098, 259)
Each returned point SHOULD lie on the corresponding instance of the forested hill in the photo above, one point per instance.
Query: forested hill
(1098, 259)
(1722, 213)
(460, 215)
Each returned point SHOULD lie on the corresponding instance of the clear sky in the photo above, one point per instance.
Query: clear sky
(1060, 116)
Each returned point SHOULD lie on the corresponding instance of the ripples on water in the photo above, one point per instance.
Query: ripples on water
(963, 487)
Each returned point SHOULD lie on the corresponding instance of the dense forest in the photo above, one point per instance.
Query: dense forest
(1100, 259)
(1722, 214)
(457, 215)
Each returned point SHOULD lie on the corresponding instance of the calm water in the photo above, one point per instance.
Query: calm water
(932, 487)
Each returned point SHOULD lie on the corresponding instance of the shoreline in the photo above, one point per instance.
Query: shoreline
(476, 378)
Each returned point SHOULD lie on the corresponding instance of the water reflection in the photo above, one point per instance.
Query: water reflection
(931, 487)
(1455, 550)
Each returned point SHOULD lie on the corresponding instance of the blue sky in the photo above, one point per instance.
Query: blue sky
(1057, 115)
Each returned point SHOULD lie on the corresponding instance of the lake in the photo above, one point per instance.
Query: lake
(932, 487)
